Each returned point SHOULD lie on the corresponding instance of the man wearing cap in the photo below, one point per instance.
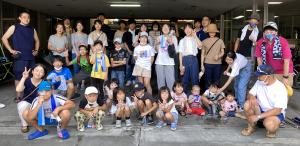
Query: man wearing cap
(118, 61)
(267, 103)
(274, 50)
(68, 31)
(105, 28)
(48, 109)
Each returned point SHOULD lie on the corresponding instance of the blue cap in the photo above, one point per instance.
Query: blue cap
(138, 86)
(45, 85)
(119, 40)
(264, 69)
(143, 33)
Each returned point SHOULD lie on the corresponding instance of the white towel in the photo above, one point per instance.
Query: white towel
(254, 34)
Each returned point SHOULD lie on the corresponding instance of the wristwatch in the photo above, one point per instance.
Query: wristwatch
(258, 116)
(286, 77)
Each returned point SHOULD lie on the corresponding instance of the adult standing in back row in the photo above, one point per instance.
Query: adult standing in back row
(25, 39)
(105, 28)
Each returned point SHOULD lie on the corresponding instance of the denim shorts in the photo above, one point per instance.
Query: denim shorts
(280, 116)
(231, 113)
(175, 115)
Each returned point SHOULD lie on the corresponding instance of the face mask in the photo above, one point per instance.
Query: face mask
(91, 103)
(253, 25)
(155, 28)
(270, 37)
(143, 43)
(140, 96)
(118, 49)
(99, 52)
(263, 82)
(67, 25)
(43, 92)
(57, 68)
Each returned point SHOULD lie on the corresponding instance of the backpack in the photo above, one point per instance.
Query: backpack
(87, 58)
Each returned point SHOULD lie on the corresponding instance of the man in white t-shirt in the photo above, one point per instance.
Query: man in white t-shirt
(42, 109)
(267, 102)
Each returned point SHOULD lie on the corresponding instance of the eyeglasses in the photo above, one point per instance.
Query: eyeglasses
(165, 28)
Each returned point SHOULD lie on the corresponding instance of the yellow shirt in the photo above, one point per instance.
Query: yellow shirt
(99, 74)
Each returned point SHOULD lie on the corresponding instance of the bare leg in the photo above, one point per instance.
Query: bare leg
(83, 81)
(65, 116)
(272, 124)
(239, 115)
(33, 122)
(206, 104)
(75, 90)
(169, 117)
(70, 90)
(149, 105)
(222, 113)
(141, 106)
(18, 94)
(147, 85)
(249, 111)
(163, 118)
(127, 111)
(141, 79)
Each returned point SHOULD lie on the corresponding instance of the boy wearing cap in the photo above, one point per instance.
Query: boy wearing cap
(118, 61)
(44, 107)
(86, 67)
(90, 107)
(144, 100)
(144, 56)
(274, 50)
(267, 103)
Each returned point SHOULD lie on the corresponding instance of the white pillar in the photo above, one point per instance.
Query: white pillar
(222, 26)
(266, 11)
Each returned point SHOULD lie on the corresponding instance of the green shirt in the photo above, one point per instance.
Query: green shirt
(84, 64)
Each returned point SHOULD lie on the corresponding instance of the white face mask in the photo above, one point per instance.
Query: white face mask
(118, 49)
(263, 82)
(57, 68)
(43, 92)
(67, 25)
(99, 52)
(143, 43)
(140, 96)
(92, 103)
(155, 28)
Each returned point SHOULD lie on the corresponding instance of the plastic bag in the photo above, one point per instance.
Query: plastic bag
(160, 113)
(144, 120)
(214, 108)
(90, 124)
(289, 90)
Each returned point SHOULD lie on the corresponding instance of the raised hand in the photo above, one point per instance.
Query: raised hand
(66, 54)
(157, 40)
(26, 73)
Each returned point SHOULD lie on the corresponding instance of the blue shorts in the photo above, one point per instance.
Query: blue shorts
(49, 121)
(175, 115)
(19, 67)
(231, 113)
(280, 116)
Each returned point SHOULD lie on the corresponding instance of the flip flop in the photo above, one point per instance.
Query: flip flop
(248, 131)
(17, 98)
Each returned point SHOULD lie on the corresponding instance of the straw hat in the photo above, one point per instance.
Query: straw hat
(212, 28)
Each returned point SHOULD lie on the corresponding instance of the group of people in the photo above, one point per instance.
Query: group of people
(47, 96)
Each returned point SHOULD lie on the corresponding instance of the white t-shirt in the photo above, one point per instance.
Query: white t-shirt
(59, 100)
(91, 42)
(150, 40)
(239, 63)
(189, 45)
(144, 54)
(211, 96)
(114, 108)
(269, 97)
(173, 109)
(163, 57)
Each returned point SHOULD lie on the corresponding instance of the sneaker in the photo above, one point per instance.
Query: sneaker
(78, 86)
(99, 127)
(133, 82)
(160, 124)
(118, 124)
(64, 134)
(128, 123)
(82, 87)
(150, 120)
(128, 83)
(37, 134)
(140, 119)
(81, 129)
(173, 126)
(75, 96)
(2, 105)
(241, 109)
(210, 112)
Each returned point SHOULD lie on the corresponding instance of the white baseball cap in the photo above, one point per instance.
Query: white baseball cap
(90, 90)
(119, 40)
(143, 33)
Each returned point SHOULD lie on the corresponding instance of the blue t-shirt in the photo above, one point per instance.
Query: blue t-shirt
(29, 87)
(65, 72)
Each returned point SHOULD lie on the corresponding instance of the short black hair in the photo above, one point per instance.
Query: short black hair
(99, 21)
(155, 23)
(82, 46)
(198, 20)
(214, 83)
(101, 14)
(122, 21)
(98, 42)
(79, 21)
(169, 25)
(115, 93)
(114, 80)
(43, 66)
(59, 23)
(130, 21)
(189, 24)
(269, 28)
(20, 15)
(145, 25)
(207, 17)
(229, 92)
(177, 83)
(163, 89)
(57, 58)
(231, 54)
(173, 19)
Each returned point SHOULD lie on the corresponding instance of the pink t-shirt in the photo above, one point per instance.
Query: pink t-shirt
(176, 98)
(276, 64)
(229, 106)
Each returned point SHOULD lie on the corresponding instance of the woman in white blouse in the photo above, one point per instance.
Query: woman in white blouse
(241, 72)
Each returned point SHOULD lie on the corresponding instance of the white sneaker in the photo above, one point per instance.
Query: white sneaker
(240, 109)
(82, 129)
(128, 83)
(2, 105)
(133, 82)
(82, 87)
(100, 127)
(78, 86)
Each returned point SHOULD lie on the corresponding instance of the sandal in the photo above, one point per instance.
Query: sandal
(247, 130)
(182, 113)
(282, 124)
(25, 130)
(17, 99)
(271, 136)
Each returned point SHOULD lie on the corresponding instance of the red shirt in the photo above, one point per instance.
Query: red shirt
(276, 64)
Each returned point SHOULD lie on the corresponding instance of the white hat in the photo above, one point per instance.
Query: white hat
(119, 40)
(90, 90)
(143, 33)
